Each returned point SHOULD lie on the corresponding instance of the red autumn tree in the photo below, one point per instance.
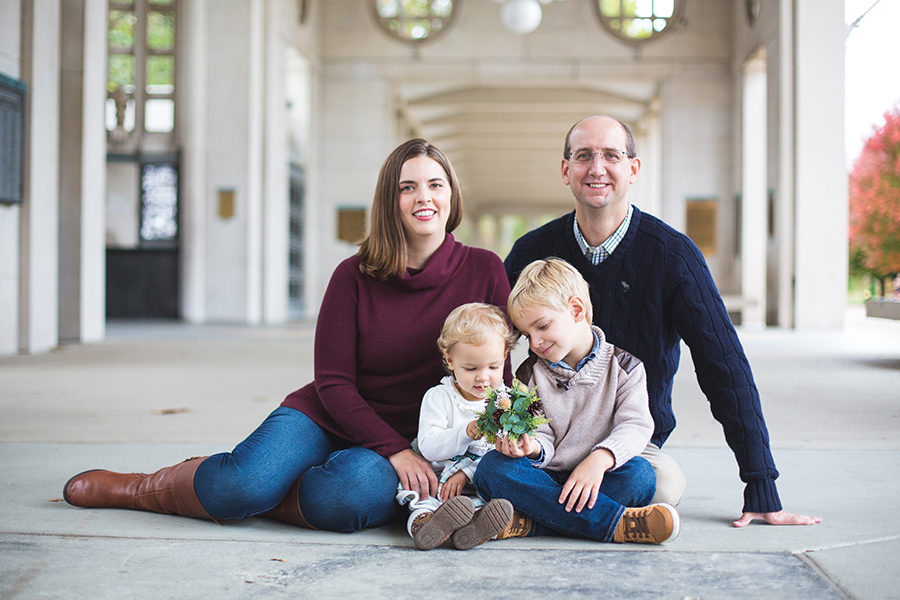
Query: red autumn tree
(875, 202)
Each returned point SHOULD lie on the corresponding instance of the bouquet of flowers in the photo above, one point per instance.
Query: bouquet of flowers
(511, 412)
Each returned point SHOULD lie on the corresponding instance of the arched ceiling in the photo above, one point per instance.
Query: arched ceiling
(506, 141)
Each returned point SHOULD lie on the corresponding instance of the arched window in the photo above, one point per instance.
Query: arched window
(638, 20)
(415, 20)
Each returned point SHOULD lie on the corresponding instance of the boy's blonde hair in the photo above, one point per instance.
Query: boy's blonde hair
(474, 323)
(550, 283)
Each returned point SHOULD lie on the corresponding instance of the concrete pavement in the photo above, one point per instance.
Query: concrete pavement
(152, 394)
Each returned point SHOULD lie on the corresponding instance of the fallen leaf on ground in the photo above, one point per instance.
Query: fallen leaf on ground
(170, 411)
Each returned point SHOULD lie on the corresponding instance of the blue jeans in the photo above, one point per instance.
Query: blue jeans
(343, 488)
(535, 493)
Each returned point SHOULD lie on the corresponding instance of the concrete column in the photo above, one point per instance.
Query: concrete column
(276, 189)
(351, 102)
(192, 123)
(781, 145)
(649, 150)
(38, 250)
(234, 160)
(256, 80)
(10, 215)
(821, 174)
(753, 194)
(82, 192)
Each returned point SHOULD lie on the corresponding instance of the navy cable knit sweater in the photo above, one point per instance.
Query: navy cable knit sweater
(651, 293)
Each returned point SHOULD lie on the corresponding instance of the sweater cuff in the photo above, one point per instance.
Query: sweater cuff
(761, 496)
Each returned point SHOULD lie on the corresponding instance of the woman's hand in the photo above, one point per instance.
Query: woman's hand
(454, 485)
(414, 472)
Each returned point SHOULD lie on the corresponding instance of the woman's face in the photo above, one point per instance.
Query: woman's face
(424, 200)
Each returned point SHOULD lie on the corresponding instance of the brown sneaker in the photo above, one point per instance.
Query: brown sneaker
(433, 529)
(519, 526)
(654, 524)
(489, 520)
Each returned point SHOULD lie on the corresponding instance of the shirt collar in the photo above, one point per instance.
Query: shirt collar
(597, 254)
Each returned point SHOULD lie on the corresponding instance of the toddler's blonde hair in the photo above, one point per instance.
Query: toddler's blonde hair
(474, 323)
(549, 283)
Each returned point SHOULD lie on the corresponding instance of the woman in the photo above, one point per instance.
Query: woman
(331, 456)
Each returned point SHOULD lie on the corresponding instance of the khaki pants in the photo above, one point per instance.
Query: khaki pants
(670, 481)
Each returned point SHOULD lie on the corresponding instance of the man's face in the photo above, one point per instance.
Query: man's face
(599, 184)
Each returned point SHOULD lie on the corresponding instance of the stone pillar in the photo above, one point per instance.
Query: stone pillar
(10, 215)
(276, 189)
(192, 124)
(234, 158)
(82, 187)
(820, 181)
(38, 250)
(753, 194)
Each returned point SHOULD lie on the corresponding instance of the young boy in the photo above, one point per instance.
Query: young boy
(589, 471)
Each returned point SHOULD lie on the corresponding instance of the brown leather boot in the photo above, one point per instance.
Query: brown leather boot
(288, 510)
(169, 491)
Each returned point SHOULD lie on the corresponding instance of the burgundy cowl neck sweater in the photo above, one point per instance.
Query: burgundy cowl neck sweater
(375, 346)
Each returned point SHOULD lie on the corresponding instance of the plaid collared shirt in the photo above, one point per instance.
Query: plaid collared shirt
(597, 254)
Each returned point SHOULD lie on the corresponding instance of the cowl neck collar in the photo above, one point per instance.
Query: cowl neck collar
(439, 268)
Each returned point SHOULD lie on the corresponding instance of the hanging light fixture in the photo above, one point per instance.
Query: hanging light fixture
(521, 16)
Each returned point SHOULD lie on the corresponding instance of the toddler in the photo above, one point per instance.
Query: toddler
(474, 343)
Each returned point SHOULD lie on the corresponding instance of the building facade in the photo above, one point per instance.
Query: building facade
(212, 161)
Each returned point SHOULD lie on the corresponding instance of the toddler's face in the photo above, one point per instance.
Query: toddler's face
(477, 367)
(552, 334)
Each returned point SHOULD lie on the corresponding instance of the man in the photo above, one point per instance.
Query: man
(651, 288)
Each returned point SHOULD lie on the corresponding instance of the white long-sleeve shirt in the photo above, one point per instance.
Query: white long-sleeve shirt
(443, 419)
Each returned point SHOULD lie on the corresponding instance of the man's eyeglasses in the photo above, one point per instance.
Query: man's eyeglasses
(607, 156)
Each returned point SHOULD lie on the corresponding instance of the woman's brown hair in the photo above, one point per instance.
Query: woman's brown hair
(382, 252)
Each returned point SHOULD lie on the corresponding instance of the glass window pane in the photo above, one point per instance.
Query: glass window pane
(160, 72)
(121, 29)
(120, 72)
(159, 203)
(160, 30)
(159, 115)
(643, 8)
(638, 28)
(388, 8)
(162, 2)
(664, 8)
(611, 8)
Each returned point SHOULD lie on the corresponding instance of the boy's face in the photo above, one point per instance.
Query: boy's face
(557, 335)
(477, 367)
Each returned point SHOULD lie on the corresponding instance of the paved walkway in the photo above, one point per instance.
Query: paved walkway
(153, 394)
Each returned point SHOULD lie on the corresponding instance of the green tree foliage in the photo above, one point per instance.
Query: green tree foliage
(875, 203)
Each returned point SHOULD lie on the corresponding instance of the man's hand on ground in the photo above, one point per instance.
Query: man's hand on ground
(782, 517)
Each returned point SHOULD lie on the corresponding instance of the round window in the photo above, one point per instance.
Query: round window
(415, 20)
(638, 20)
